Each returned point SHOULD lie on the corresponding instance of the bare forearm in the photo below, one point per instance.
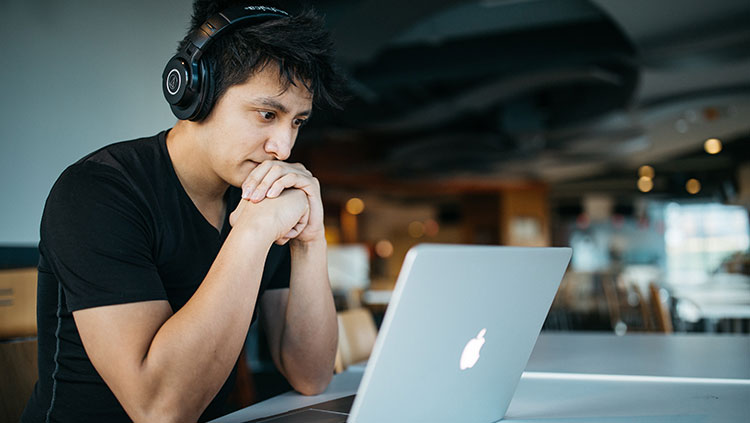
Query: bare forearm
(194, 351)
(308, 344)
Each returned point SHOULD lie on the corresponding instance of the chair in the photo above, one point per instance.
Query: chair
(630, 308)
(244, 392)
(18, 367)
(661, 313)
(613, 301)
(18, 352)
(17, 303)
(643, 308)
(357, 333)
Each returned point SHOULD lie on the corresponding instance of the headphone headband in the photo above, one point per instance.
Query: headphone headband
(186, 81)
(204, 35)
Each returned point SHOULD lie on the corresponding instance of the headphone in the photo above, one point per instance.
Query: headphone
(186, 81)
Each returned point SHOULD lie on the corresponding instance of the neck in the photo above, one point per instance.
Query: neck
(198, 179)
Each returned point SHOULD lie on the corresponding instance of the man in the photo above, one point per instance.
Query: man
(154, 262)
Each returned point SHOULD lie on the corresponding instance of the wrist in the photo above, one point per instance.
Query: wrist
(306, 246)
(257, 230)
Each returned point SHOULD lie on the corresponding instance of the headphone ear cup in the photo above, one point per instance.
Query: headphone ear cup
(207, 90)
(175, 81)
(181, 84)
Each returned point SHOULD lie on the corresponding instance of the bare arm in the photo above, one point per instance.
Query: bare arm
(167, 367)
(301, 322)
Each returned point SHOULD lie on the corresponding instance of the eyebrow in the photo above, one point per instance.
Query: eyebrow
(275, 104)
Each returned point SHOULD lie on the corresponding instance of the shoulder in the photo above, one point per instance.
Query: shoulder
(131, 156)
(120, 167)
(108, 182)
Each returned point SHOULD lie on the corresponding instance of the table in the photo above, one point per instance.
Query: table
(574, 377)
(724, 296)
(676, 355)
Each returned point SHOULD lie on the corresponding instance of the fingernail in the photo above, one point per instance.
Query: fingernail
(245, 193)
(257, 195)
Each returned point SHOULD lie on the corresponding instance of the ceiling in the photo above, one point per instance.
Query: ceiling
(575, 94)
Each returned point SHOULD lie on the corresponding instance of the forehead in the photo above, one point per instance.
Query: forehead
(268, 83)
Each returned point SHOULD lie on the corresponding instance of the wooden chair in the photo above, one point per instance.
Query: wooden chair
(357, 333)
(18, 347)
(629, 306)
(18, 367)
(244, 393)
(17, 303)
(644, 309)
(613, 301)
(662, 315)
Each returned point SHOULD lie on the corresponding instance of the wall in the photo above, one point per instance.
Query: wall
(77, 75)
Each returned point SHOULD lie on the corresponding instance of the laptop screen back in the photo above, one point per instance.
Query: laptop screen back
(458, 332)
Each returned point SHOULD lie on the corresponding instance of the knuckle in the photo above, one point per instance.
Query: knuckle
(277, 168)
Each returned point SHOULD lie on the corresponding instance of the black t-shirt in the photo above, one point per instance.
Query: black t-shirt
(118, 228)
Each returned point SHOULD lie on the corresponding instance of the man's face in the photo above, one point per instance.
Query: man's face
(253, 122)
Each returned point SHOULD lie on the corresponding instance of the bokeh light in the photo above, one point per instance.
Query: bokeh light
(645, 184)
(355, 206)
(416, 229)
(384, 248)
(646, 171)
(712, 146)
(693, 186)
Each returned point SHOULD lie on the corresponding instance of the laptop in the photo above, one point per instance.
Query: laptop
(455, 339)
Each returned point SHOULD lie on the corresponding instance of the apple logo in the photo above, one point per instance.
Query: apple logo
(470, 356)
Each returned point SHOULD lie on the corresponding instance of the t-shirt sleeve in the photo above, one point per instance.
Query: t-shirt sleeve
(96, 235)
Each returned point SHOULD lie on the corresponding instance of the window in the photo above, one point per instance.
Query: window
(700, 236)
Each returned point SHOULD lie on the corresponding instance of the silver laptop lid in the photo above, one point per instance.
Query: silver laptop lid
(486, 304)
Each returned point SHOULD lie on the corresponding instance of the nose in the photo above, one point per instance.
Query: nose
(280, 143)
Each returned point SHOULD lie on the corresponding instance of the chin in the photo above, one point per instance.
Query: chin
(242, 172)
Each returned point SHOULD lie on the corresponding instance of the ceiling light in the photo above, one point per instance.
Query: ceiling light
(645, 184)
(646, 171)
(355, 206)
(712, 146)
(693, 186)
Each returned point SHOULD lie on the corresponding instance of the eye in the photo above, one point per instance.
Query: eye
(266, 115)
(299, 122)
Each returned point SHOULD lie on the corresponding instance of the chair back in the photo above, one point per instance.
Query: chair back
(357, 333)
(18, 367)
(18, 303)
(662, 315)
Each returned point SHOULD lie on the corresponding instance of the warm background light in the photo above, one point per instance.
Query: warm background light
(384, 248)
(431, 227)
(416, 229)
(646, 171)
(645, 184)
(355, 206)
(712, 146)
(693, 186)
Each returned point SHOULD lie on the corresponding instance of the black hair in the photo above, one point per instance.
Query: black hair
(300, 46)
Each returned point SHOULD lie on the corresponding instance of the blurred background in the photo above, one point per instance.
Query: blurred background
(619, 128)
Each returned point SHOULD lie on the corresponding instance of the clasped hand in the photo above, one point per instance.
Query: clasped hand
(297, 216)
